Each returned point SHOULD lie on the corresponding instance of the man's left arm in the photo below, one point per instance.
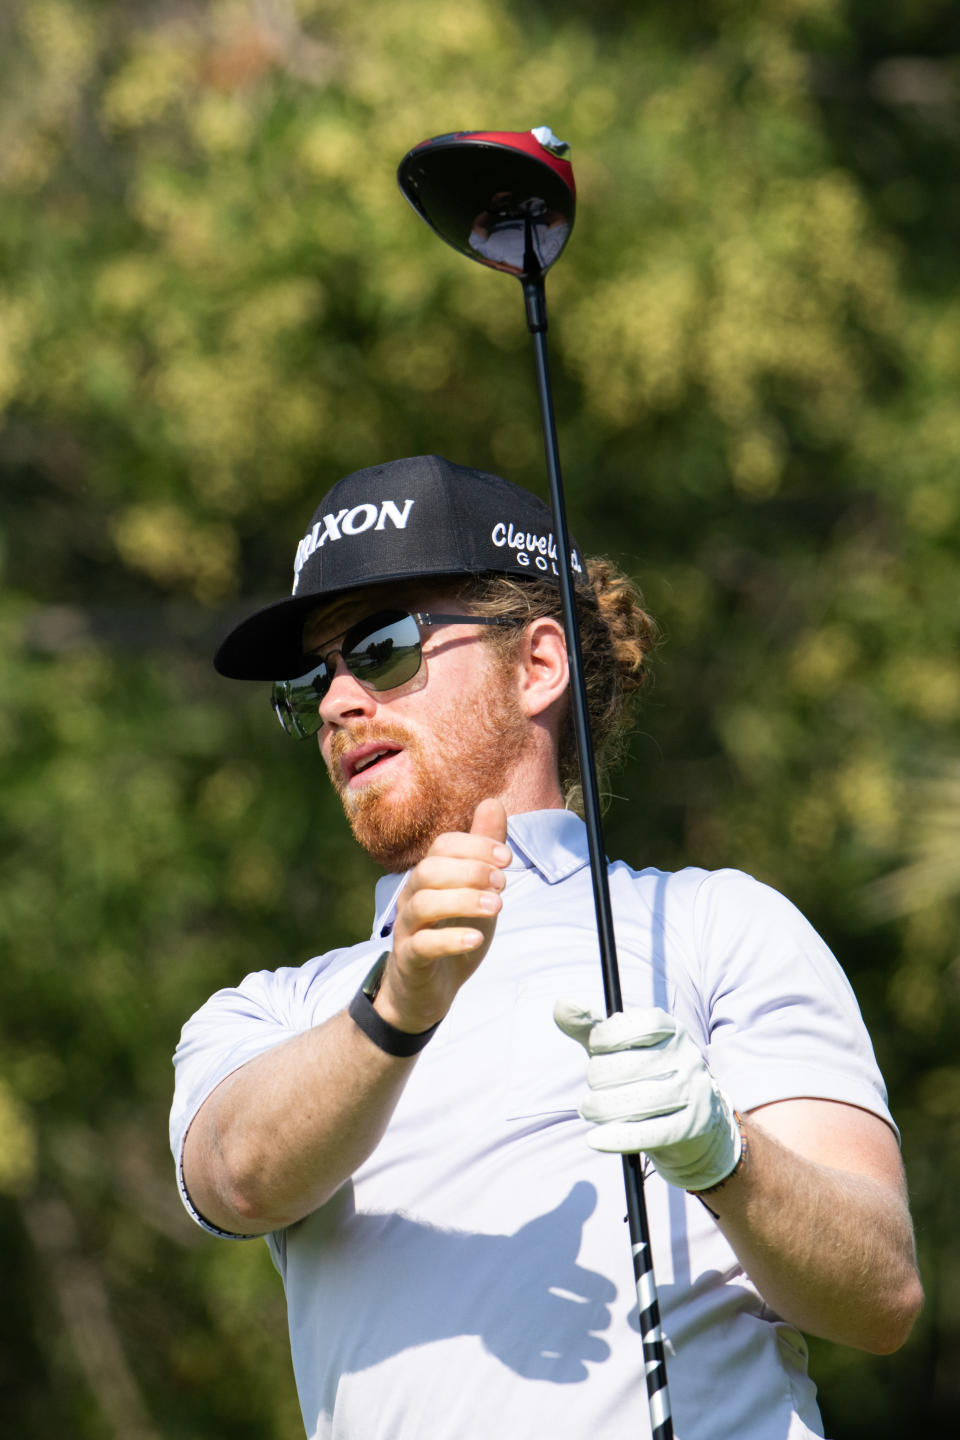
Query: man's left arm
(810, 1193)
(817, 1215)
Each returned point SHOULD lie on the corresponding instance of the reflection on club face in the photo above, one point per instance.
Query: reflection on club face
(506, 199)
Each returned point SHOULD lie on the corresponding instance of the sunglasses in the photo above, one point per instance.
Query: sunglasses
(382, 652)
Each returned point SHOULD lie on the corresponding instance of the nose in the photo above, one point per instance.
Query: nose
(347, 698)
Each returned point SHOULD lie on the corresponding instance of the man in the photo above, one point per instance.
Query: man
(400, 1118)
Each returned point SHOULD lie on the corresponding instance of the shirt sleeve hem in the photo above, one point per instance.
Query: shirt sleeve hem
(194, 1213)
(749, 1094)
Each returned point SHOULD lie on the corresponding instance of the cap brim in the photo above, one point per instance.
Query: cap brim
(268, 645)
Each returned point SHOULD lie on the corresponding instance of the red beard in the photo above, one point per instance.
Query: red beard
(471, 750)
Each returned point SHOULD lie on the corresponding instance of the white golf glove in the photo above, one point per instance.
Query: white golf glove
(650, 1090)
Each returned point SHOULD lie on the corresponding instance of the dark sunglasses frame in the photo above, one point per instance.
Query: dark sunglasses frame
(296, 702)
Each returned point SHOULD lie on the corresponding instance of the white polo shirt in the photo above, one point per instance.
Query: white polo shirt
(474, 1277)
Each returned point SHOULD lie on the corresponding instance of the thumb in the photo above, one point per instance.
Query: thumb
(575, 1021)
(490, 820)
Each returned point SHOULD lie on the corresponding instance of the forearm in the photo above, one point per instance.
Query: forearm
(829, 1250)
(278, 1137)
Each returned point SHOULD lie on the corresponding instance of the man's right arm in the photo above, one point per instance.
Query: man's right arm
(278, 1137)
(282, 1133)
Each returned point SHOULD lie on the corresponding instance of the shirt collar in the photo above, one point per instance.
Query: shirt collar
(552, 842)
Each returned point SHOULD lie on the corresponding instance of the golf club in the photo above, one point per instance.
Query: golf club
(507, 199)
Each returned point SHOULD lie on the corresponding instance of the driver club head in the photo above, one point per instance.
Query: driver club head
(503, 197)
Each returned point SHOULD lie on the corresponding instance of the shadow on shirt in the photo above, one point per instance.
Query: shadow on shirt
(374, 1285)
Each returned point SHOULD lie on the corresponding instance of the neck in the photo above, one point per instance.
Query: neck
(531, 785)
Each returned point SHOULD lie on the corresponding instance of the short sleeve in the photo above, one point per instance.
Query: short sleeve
(236, 1025)
(783, 1020)
(232, 1028)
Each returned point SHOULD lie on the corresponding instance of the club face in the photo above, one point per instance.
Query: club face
(506, 201)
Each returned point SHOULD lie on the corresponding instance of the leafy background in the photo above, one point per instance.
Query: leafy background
(213, 302)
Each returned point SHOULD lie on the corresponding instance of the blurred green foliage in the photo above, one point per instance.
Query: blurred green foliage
(213, 302)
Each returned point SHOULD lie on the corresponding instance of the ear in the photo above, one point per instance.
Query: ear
(544, 672)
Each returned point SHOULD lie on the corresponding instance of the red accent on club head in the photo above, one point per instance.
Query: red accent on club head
(524, 140)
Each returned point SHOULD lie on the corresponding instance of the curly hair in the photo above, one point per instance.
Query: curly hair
(617, 638)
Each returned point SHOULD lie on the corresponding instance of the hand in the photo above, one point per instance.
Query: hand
(446, 916)
(650, 1090)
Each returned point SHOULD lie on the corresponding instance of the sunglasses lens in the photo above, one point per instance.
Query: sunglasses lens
(384, 651)
(297, 701)
(381, 652)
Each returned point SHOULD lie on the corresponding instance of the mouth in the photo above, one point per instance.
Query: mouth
(368, 762)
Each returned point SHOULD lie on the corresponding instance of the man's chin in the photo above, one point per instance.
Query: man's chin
(392, 829)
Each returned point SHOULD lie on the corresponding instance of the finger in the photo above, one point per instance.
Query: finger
(631, 1102)
(432, 907)
(576, 1021)
(443, 943)
(629, 1137)
(490, 819)
(437, 872)
(648, 1066)
(635, 1027)
(458, 845)
(622, 1139)
(625, 1029)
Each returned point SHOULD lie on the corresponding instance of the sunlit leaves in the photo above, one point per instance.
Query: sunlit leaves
(18, 1144)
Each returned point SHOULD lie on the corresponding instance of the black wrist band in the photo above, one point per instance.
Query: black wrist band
(385, 1036)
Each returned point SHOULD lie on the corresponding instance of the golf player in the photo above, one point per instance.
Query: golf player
(417, 1123)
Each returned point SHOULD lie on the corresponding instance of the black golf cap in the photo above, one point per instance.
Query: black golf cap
(400, 521)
